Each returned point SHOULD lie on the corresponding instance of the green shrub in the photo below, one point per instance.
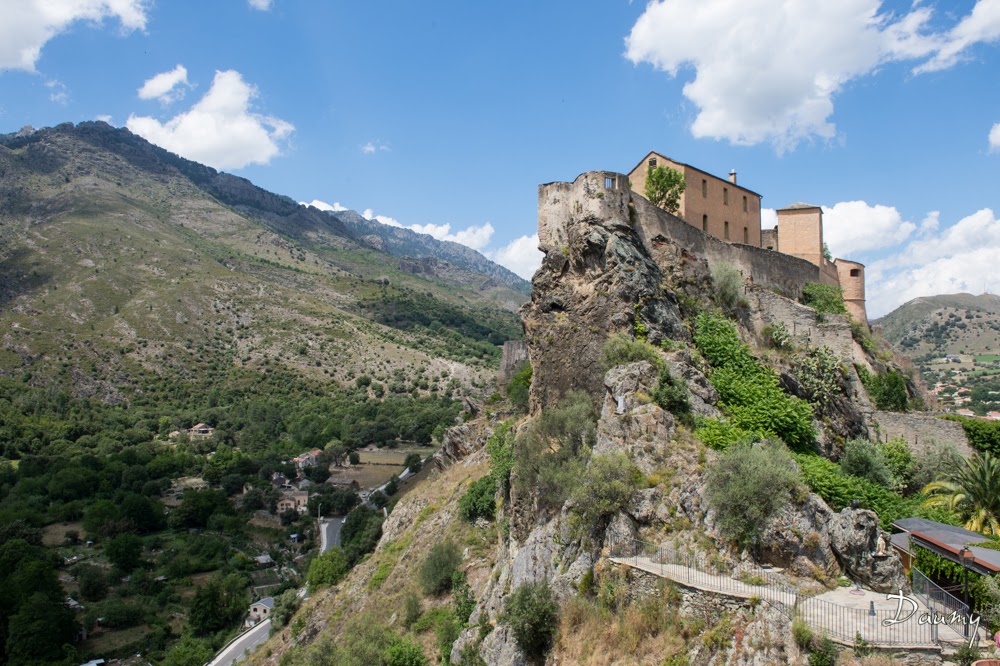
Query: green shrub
(821, 374)
(284, 608)
(887, 390)
(748, 486)
(461, 597)
(728, 283)
(403, 652)
(437, 570)
(411, 609)
(983, 435)
(671, 395)
(519, 387)
(328, 568)
(479, 500)
(551, 455)
(866, 460)
(446, 632)
(749, 391)
(621, 349)
(777, 335)
(500, 449)
(720, 434)
(824, 298)
(586, 585)
(801, 633)
(823, 654)
(533, 615)
(606, 487)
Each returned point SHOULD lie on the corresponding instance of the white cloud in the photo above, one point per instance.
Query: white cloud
(769, 70)
(521, 255)
(373, 147)
(768, 218)
(219, 130)
(28, 24)
(103, 118)
(959, 258)
(324, 206)
(995, 138)
(262, 5)
(166, 86)
(850, 227)
(59, 94)
(476, 237)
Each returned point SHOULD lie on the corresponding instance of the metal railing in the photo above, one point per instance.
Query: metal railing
(934, 596)
(845, 624)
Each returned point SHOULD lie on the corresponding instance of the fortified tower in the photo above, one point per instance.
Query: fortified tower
(852, 283)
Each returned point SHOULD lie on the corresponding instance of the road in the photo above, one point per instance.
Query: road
(247, 642)
(330, 533)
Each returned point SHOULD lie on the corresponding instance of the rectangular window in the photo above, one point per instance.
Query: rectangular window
(725, 196)
(744, 203)
(746, 235)
(609, 183)
(726, 231)
(704, 223)
(704, 188)
(855, 272)
(652, 162)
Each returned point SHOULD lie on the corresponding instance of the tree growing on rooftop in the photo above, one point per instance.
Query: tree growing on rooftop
(664, 187)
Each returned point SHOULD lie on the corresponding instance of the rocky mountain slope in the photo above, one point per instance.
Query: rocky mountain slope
(118, 258)
(613, 460)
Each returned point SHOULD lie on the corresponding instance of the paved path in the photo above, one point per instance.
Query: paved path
(843, 613)
(329, 531)
(244, 643)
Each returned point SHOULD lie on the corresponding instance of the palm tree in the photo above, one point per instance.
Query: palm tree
(972, 491)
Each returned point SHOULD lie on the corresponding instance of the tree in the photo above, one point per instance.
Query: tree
(188, 650)
(866, 459)
(973, 491)
(664, 187)
(284, 608)
(39, 630)
(328, 568)
(533, 614)
(436, 573)
(124, 551)
(218, 604)
(413, 462)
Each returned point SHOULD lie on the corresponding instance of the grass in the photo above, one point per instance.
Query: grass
(107, 642)
(393, 456)
(369, 476)
(988, 358)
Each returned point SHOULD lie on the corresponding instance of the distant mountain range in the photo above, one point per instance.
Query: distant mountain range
(117, 257)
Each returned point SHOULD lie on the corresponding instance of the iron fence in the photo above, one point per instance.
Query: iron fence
(897, 626)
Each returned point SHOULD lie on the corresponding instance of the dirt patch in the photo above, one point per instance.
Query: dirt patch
(368, 476)
(55, 535)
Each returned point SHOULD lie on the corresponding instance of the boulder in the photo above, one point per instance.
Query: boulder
(797, 539)
(864, 550)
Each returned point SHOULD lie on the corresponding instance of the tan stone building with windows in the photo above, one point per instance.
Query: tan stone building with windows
(716, 206)
(731, 213)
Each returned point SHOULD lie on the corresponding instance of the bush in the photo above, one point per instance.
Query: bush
(328, 568)
(403, 652)
(621, 349)
(823, 654)
(671, 395)
(824, 298)
(533, 614)
(441, 564)
(821, 374)
(866, 460)
(887, 390)
(607, 486)
(519, 387)
(479, 500)
(748, 486)
(461, 597)
(801, 633)
(728, 287)
(284, 608)
(411, 609)
(500, 449)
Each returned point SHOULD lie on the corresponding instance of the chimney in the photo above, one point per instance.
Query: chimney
(732, 176)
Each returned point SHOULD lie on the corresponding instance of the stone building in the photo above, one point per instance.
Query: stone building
(731, 213)
(716, 206)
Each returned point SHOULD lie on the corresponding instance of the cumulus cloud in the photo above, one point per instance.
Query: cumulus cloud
(262, 5)
(475, 236)
(220, 129)
(769, 70)
(521, 255)
(954, 259)
(166, 86)
(324, 206)
(104, 118)
(995, 138)
(768, 218)
(28, 24)
(850, 227)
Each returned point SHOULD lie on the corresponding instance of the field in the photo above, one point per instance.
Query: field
(393, 456)
(55, 534)
(988, 358)
(369, 476)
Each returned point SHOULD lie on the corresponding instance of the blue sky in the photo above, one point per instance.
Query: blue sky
(445, 116)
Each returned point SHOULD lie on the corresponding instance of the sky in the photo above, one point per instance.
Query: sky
(445, 116)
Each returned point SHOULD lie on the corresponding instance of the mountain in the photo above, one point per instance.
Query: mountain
(955, 341)
(118, 258)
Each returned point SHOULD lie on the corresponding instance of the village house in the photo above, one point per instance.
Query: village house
(731, 213)
(307, 459)
(341, 482)
(201, 431)
(260, 610)
(296, 499)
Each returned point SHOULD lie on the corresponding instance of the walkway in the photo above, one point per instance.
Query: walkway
(842, 614)
(242, 645)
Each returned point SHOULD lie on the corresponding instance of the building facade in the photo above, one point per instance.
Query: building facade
(715, 205)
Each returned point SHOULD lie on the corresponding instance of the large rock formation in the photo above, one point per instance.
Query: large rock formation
(863, 549)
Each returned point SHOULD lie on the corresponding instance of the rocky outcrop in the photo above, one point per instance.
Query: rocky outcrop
(864, 551)
(798, 539)
(458, 442)
(597, 278)
(515, 354)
